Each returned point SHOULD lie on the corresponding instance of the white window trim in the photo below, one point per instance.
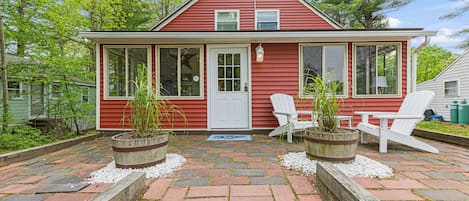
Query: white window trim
(220, 11)
(457, 88)
(301, 68)
(201, 72)
(278, 18)
(399, 70)
(20, 85)
(51, 89)
(105, 73)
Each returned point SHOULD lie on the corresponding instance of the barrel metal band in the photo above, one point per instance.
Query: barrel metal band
(141, 165)
(134, 149)
(331, 159)
(343, 142)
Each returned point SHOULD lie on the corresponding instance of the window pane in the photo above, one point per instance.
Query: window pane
(168, 71)
(267, 26)
(335, 65)
(227, 16)
(116, 71)
(55, 91)
(190, 75)
(312, 62)
(387, 80)
(137, 60)
(365, 70)
(266, 16)
(451, 88)
(14, 89)
(227, 26)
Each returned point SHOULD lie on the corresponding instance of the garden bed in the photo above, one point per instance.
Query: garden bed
(444, 127)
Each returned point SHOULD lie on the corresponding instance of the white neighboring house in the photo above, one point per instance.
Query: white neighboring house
(449, 85)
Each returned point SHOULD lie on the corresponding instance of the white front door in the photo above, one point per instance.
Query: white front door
(229, 88)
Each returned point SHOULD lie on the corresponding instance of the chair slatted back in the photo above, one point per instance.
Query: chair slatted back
(413, 104)
(283, 103)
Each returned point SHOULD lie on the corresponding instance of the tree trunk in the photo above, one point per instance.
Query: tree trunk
(72, 108)
(21, 44)
(6, 110)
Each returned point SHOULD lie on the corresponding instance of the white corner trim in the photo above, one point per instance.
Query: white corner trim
(321, 15)
(98, 86)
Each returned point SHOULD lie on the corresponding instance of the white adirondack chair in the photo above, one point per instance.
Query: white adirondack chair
(287, 116)
(410, 113)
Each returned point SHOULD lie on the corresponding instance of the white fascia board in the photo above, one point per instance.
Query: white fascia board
(292, 36)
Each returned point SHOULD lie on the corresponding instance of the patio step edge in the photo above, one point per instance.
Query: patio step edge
(129, 188)
(335, 185)
(442, 137)
(25, 154)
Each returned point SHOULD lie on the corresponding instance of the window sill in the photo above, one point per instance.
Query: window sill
(378, 96)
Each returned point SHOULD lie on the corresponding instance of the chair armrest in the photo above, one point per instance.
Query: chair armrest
(282, 113)
(401, 116)
(304, 112)
(373, 112)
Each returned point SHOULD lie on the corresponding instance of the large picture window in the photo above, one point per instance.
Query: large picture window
(227, 20)
(122, 65)
(377, 70)
(180, 71)
(328, 61)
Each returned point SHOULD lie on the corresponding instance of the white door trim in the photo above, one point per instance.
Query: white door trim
(208, 74)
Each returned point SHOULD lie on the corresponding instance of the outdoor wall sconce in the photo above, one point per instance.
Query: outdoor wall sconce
(259, 53)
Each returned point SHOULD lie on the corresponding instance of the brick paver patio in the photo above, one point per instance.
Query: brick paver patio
(239, 171)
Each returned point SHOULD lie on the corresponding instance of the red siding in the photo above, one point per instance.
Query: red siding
(279, 74)
(201, 16)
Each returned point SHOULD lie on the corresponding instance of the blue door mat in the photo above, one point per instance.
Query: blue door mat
(229, 137)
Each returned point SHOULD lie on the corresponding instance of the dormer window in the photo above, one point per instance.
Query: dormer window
(267, 20)
(227, 20)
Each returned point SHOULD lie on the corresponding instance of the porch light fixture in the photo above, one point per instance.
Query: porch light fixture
(259, 53)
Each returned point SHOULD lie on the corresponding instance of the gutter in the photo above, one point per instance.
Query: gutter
(414, 63)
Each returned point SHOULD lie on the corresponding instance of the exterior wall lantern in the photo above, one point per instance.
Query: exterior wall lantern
(259, 53)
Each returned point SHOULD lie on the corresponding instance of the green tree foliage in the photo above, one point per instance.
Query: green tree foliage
(431, 61)
(367, 14)
(463, 10)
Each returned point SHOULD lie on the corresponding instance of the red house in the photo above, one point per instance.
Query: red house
(220, 60)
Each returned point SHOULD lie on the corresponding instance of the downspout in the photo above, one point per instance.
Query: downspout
(414, 63)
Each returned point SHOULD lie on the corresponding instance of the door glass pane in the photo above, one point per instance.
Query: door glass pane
(335, 65)
(221, 85)
(168, 71)
(237, 72)
(190, 75)
(116, 71)
(237, 85)
(221, 72)
(229, 85)
(137, 60)
(229, 59)
(221, 59)
(237, 59)
(229, 72)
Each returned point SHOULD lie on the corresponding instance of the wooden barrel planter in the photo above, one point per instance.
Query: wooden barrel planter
(331, 147)
(139, 152)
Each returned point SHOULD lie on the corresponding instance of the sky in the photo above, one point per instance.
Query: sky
(425, 14)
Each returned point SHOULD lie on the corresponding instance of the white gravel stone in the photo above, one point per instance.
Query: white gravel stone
(360, 167)
(111, 174)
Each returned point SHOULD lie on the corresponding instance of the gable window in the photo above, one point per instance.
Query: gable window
(377, 70)
(180, 71)
(328, 61)
(451, 88)
(15, 90)
(267, 20)
(227, 20)
(122, 65)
